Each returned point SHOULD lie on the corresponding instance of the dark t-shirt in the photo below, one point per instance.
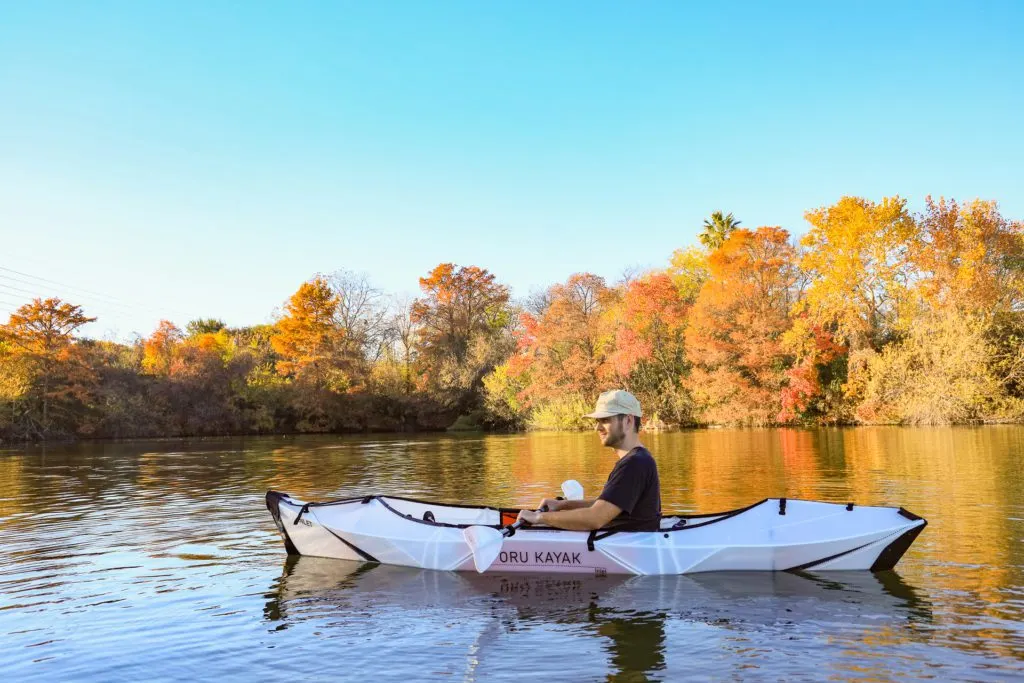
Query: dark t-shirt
(633, 486)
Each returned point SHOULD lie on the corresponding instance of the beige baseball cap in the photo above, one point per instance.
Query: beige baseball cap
(616, 402)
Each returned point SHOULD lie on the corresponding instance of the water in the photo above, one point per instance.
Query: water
(159, 561)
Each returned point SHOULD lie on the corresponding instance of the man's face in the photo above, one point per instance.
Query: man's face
(611, 430)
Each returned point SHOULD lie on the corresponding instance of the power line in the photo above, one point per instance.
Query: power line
(35, 294)
(93, 293)
(12, 304)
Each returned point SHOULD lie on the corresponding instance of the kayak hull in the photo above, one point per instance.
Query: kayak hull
(772, 535)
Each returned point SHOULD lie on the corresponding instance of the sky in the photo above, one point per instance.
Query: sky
(187, 159)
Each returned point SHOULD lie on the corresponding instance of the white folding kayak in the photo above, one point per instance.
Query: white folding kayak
(773, 535)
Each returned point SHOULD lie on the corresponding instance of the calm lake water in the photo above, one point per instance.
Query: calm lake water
(159, 561)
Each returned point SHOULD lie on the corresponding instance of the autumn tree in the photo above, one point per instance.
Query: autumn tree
(308, 338)
(857, 259)
(717, 229)
(462, 311)
(562, 354)
(161, 348)
(969, 257)
(734, 339)
(959, 358)
(55, 381)
(689, 271)
(648, 354)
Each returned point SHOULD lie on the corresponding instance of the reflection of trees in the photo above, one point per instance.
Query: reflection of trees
(636, 642)
(12, 483)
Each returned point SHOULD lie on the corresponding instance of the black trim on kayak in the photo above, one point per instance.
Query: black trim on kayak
(815, 563)
(888, 558)
(362, 553)
(717, 516)
(366, 499)
(274, 505)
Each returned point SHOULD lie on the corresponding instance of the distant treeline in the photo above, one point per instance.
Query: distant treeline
(878, 315)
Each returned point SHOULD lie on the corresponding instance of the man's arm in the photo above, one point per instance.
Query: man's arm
(555, 504)
(589, 518)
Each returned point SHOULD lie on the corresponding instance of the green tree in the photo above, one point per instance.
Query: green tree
(204, 326)
(717, 229)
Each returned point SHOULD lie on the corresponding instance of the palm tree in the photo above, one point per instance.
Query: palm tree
(717, 229)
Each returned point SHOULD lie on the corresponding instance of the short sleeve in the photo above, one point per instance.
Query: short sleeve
(626, 484)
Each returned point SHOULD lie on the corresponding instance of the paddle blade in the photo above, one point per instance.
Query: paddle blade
(572, 490)
(485, 544)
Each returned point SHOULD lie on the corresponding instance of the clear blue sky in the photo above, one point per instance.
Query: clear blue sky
(202, 159)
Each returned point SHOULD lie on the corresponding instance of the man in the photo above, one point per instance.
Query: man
(631, 498)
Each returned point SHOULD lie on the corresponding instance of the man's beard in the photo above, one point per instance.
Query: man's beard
(614, 439)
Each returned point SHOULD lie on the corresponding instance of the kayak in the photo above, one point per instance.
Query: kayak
(775, 534)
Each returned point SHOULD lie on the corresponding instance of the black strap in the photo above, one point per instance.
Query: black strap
(368, 499)
(304, 510)
(849, 507)
(782, 506)
(599, 535)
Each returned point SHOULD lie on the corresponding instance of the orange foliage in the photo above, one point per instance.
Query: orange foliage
(159, 351)
(459, 303)
(652, 326)
(803, 381)
(968, 255)
(307, 337)
(564, 348)
(40, 336)
(735, 336)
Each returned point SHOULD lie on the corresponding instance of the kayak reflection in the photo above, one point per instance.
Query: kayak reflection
(629, 614)
(311, 585)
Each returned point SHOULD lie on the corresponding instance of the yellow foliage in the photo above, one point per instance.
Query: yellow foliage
(689, 271)
(939, 374)
(857, 259)
(562, 414)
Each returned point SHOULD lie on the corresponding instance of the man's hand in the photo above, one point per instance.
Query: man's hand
(552, 504)
(528, 516)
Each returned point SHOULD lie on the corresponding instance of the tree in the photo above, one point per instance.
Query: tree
(734, 339)
(160, 349)
(689, 272)
(969, 258)
(459, 303)
(204, 326)
(717, 229)
(362, 313)
(39, 337)
(649, 354)
(308, 337)
(563, 352)
(857, 259)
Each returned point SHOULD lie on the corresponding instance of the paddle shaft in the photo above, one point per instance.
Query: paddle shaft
(511, 528)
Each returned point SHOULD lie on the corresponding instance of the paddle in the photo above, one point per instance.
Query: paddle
(572, 489)
(485, 542)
